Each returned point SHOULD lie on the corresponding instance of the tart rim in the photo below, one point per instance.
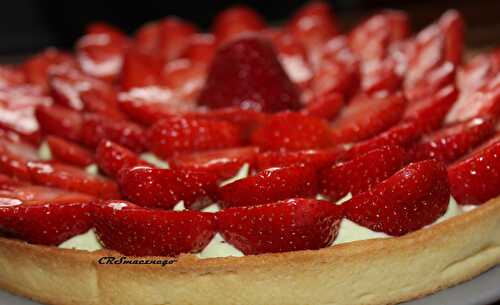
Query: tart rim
(461, 248)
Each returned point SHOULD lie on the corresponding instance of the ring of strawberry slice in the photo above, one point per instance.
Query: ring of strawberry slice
(389, 120)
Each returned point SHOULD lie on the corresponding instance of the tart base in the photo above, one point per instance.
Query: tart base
(370, 272)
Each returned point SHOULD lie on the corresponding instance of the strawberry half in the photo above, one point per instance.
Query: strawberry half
(410, 199)
(163, 188)
(14, 156)
(361, 173)
(132, 230)
(112, 158)
(292, 131)
(72, 178)
(325, 106)
(60, 121)
(366, 117)
(183, 134)
(318, 158)
(236, 21)
(452, 142)
(246, 73)
(69, 152)
(289, 225)
(270, 185)
(224, 163)
(43, 215)
(475, 178)
(140, 70)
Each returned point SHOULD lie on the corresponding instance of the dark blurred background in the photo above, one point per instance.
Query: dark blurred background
(29, 25)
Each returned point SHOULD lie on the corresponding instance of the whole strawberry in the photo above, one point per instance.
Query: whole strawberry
(247, 73)
(289, 225)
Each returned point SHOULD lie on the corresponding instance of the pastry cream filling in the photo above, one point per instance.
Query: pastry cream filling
(349, 231)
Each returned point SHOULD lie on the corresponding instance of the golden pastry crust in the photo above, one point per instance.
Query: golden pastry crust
(380, 271)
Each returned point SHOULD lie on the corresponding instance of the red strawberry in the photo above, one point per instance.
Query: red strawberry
(140, 70)
(147, 37)
(247, 120)
(292, 131)
(164, 188)
(435, 79)
(371, 39)
(336, 73)
(132, 230)
(475, 178)
(185, 78)
(112, 158)
(96, 102)
(148, 105)
(224, 163)
(410, 199)
(247, 73)
(182, 134)
(325, 106)
(14, 156)
(69, 152)
(59, 121)
(484, 101)
(100, 52)
(362, 172)
(37, 67)
(11, 76)
(200, 48)
(289, 225)
(270, 185)
(174, 36)
(313, 25)
(380, 76)
(318, 158)
(452, 142)
(71, 178)
(96, 128)
(235, 21)
(17, 110)
(367, 117)
(42, 215)
(429, 113)
(478, 71)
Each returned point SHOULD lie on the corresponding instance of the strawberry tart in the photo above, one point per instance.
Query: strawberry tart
(298, 164)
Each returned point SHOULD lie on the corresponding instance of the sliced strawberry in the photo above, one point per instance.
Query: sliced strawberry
(37, 67)
(289, 225)
(478, 71)
(484, 101)
(132, 230)
(59, 121)
(71, 178)
(318, 158)
(174, 36)
(112, 157)
(224, 163)
(185, 78)
(247, 73)
(313, 25)
(164, 188)
(410, 199)
(371, 39)
(182, 134)
(17, 110)
(247, 120)
(475, 178)
(43, 215)
(367, 117)
(231, 23)
(271, 185)
(336, 73)
(96, 102)
(100, 52)
(435, 79)
(140, 70)
(452, 142)
(200, 48)
(14, 156)
(147, 37)
(380, 76)
(96, 128)
(148, 105)
(307, 132)
(11, 76)
(362, 172)
(325, 106)
(69, 152)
